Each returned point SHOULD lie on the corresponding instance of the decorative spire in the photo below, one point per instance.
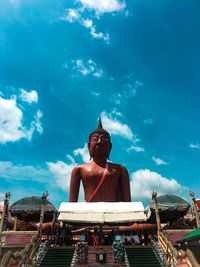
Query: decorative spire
(99, 129)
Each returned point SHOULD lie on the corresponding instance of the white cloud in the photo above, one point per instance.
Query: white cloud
(159, 161)
(83, 152)
(117, 113)
(115, 127)
(10, 121)
(71, 159)
(195, 146)
(87, 68)
(103, 6)
(71, 16)
(129, 91)
(99, 35)
(11, 171)
(117, 98)
(143, 182)
(36, 124)
(11, 118)
(81, 68)
(29, 97)
(87, 23)
(2, 196)
(130, 88)
(62, 173)
(98, 73)
(1, 203)
(135, 148)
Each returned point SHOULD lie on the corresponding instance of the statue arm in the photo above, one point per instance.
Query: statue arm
(74, 184)
(125, 185)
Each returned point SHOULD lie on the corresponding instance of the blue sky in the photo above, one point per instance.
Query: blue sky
(63, 63)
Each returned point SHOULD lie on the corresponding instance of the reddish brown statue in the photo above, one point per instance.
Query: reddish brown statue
(103, 181)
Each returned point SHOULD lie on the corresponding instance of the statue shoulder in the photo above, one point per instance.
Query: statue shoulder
(78, 168)
(118, 166)
(124, 171)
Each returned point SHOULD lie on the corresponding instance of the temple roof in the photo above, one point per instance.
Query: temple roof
(192, 235)
(29, 208)
(171, 207)
(170, 201)
(102, 212)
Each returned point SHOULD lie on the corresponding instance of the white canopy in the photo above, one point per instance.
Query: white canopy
(102, 212)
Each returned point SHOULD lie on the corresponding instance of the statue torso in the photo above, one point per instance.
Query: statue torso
(91, 175)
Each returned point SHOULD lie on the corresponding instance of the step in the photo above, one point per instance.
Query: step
(142, 257)
(58, 257)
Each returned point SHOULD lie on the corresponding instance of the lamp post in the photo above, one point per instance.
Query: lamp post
(5, 210)
(194, 203)
(154, 198)
(44, 198)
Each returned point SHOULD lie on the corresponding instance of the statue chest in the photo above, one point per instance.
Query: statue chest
(93, 178)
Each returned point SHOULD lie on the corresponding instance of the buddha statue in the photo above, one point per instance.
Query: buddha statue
(103, 181)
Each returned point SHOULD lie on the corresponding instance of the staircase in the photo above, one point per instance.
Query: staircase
(92, 262)
(142, 257)
(58, 257)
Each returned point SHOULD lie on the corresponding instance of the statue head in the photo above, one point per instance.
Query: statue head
(99, 142)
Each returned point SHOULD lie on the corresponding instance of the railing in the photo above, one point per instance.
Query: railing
(73, 263)
(22, 257)
(126, 260)
(9, 258)
(190, 258)
(41, 252)
(159, 252)
(177, 257)
(29, 251)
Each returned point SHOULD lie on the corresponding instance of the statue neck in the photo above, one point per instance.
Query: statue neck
(100, 161)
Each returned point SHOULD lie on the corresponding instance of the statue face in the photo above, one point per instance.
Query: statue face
(99, 145)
